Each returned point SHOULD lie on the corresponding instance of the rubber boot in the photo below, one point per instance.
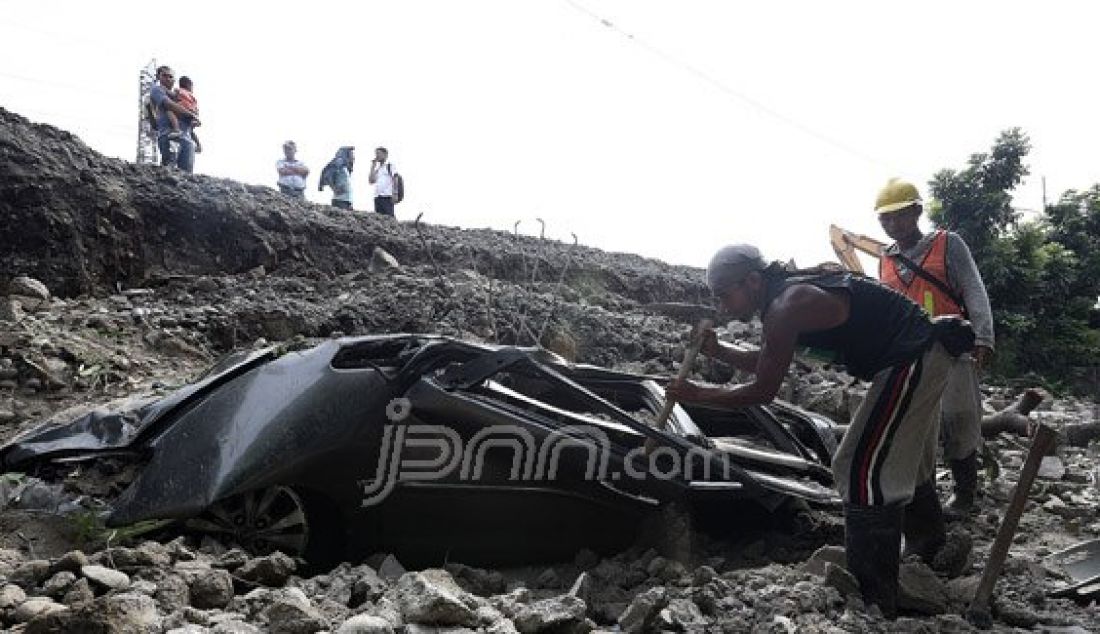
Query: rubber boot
(872, 536)
(965, 473)
(924, 527)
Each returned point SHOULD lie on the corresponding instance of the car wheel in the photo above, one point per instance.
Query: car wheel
(261, 521)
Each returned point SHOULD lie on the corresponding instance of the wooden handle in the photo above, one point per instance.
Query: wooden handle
(978, 611)
(685, 370)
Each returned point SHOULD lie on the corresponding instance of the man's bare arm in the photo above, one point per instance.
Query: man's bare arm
(741, 358)
(802, 308)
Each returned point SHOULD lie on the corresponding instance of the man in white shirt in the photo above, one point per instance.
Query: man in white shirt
(292, 173)
(382, 177)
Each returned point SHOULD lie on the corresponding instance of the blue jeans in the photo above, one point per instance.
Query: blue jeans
(184, 158)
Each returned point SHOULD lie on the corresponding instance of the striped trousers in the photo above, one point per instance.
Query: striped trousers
(890, 445)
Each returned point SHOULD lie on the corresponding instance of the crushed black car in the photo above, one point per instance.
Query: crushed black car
(433, 448)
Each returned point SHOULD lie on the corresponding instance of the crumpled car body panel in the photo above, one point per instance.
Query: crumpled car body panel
(540, 445)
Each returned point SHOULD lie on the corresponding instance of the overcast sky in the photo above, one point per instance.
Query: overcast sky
(717, 122)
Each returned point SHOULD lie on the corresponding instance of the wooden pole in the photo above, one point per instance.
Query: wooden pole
(978, 612)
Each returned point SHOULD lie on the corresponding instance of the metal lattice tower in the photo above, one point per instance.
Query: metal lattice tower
(147, 137)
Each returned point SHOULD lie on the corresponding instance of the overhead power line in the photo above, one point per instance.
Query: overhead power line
(73, 88)
(729, 91)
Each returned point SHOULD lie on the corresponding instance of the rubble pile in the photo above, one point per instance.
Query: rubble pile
(125, 281)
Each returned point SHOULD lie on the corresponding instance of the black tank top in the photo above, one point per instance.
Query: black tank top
(884, 327)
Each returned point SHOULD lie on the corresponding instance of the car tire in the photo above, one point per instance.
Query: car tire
(298, 522)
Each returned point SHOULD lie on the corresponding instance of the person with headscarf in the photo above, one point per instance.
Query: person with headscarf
(337, 175)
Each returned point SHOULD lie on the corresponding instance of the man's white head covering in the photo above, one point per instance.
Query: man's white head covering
(732, 264)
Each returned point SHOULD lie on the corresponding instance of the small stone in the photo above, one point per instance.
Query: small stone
(10, 596)
(28, 287)
(1015, 613)
(72, 561)
(106, 577)
(143, 586)
(681, 615)
(292, 613)
(57, 585)
(36, 607)
(643, 610)
(476, 580)
(152, 554)
(704, 575)
(235, 626)
(189, 628)
(31, 573)
(272, 570)
(1052, 468)
(212, 590)
(961, 591)
(365, 624)
(232, 559)
(10, 310)
(390, 569)
(368, 586)
(382, 260)
(432, 598)
(173, 593)
(920, 590)
(79, 594)
(558, 613)
(206, 285)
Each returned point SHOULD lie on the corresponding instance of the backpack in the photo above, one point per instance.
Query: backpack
(328, 175)
(398, 185)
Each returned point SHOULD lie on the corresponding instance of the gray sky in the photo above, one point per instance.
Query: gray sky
(716, 122)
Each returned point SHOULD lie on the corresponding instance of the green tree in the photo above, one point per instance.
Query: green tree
(976, 202)
(1075, 223)
(1043, 276)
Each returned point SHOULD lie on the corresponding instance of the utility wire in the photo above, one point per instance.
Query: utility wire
(74, 40)
(736, 94)
(73, 88)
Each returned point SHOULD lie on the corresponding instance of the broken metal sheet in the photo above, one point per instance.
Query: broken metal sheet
(116, 429)
(1082, 563)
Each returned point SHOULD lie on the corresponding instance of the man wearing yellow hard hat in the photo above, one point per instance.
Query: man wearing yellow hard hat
(937, 271)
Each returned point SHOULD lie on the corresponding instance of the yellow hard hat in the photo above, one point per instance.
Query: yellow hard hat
(897, 195)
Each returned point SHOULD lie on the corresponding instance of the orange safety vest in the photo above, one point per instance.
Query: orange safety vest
(920, 290)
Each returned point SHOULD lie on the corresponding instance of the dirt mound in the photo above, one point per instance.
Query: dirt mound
(92, 223)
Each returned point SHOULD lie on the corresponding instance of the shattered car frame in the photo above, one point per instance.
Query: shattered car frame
(431, 447)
